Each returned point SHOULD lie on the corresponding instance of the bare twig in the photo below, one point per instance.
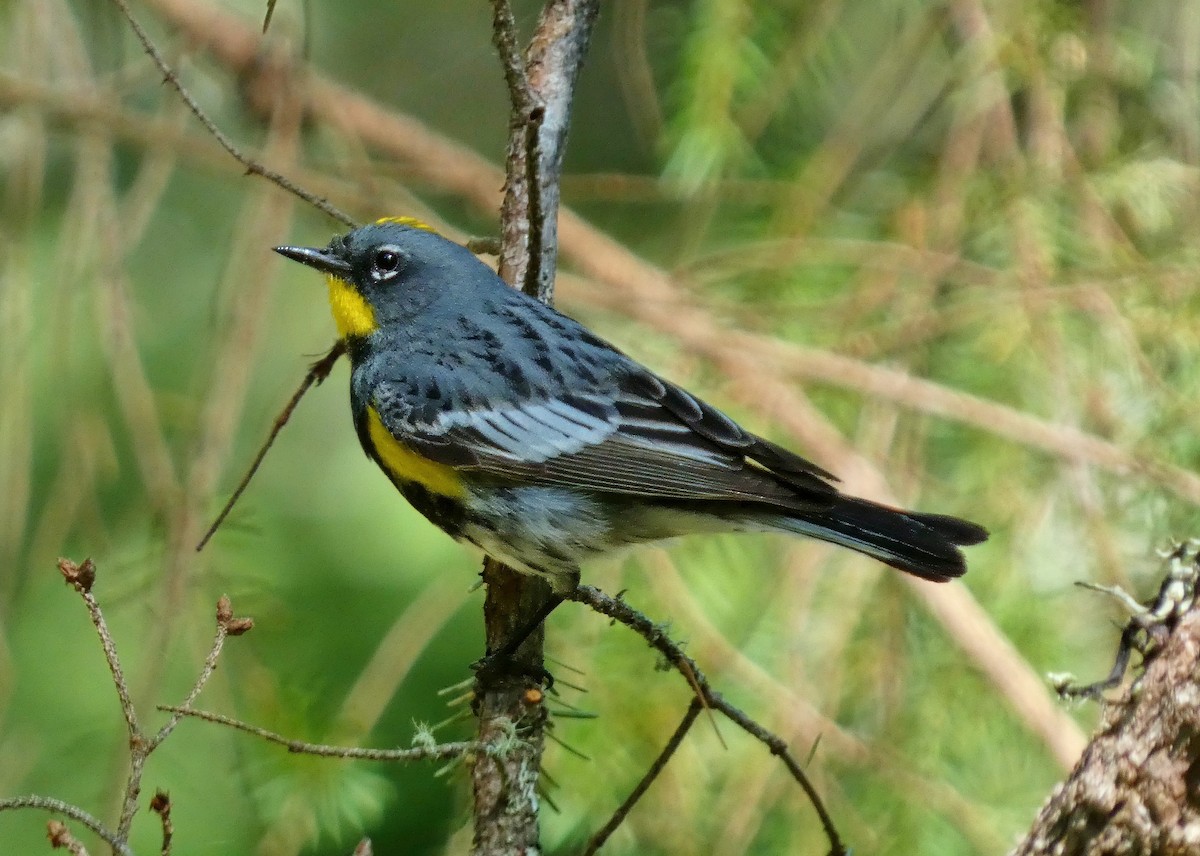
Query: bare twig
(316, 375)
(518, 210)
(75, 813)
(253, 167)
(227, 625)
(555, 57)
(432, 752)
(656, 636)
(504, 36)
(82, 577)
(618, 816)
(270, 14)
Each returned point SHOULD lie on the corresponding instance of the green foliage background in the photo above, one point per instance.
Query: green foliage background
(998, 197)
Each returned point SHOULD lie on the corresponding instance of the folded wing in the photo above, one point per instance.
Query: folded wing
(643, 436)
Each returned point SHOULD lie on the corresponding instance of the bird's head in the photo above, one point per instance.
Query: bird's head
(387, 272)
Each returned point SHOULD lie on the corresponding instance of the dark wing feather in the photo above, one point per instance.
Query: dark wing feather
(720, 429)
(644, 437)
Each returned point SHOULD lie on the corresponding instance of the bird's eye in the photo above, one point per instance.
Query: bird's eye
(386, 261)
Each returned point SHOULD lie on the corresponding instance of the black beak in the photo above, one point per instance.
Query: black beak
(322, 260)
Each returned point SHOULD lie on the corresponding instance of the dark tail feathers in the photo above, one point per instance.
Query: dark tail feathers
(925, 545)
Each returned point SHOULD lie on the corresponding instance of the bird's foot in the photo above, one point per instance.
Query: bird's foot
(500, 665)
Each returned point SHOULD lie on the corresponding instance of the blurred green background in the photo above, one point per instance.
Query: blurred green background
(996, 197)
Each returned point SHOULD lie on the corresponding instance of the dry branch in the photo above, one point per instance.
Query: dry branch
(75, 813)
(82, 577)
(656, 637)
(425, 751)
(252, 165)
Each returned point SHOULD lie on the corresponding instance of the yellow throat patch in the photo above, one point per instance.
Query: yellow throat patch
(406, 465)
(351, 312)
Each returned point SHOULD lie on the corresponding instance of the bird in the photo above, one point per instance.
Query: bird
(513, 427)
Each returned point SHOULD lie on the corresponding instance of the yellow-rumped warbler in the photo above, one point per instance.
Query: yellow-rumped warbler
(511, 426)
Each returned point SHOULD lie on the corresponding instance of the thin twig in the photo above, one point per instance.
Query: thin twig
(515, 212)
(75, 813)
(81, 577)
(534, 282)
(437, 752)
(227, 626)
(316, 375)
(252, 166)
(554, 60)
(504, 37)
(270, 14)
(618, 816)
(656, 636)
(523, 164)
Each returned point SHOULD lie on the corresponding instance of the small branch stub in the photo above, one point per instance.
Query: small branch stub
(62, 839)
(160, 804)
(81, 577)
(225, 620)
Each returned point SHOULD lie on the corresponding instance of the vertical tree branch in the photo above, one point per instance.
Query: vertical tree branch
(541, 88)
(555, 57)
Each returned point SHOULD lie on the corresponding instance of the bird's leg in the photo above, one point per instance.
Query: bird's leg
(503, 655)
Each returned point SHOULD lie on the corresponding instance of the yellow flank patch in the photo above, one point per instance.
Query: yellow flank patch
(351, 312)
(407, 221)
(406, 465)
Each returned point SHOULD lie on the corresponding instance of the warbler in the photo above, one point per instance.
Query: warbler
(511, 426)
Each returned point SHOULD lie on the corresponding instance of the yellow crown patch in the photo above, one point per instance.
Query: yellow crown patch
(407, 221)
